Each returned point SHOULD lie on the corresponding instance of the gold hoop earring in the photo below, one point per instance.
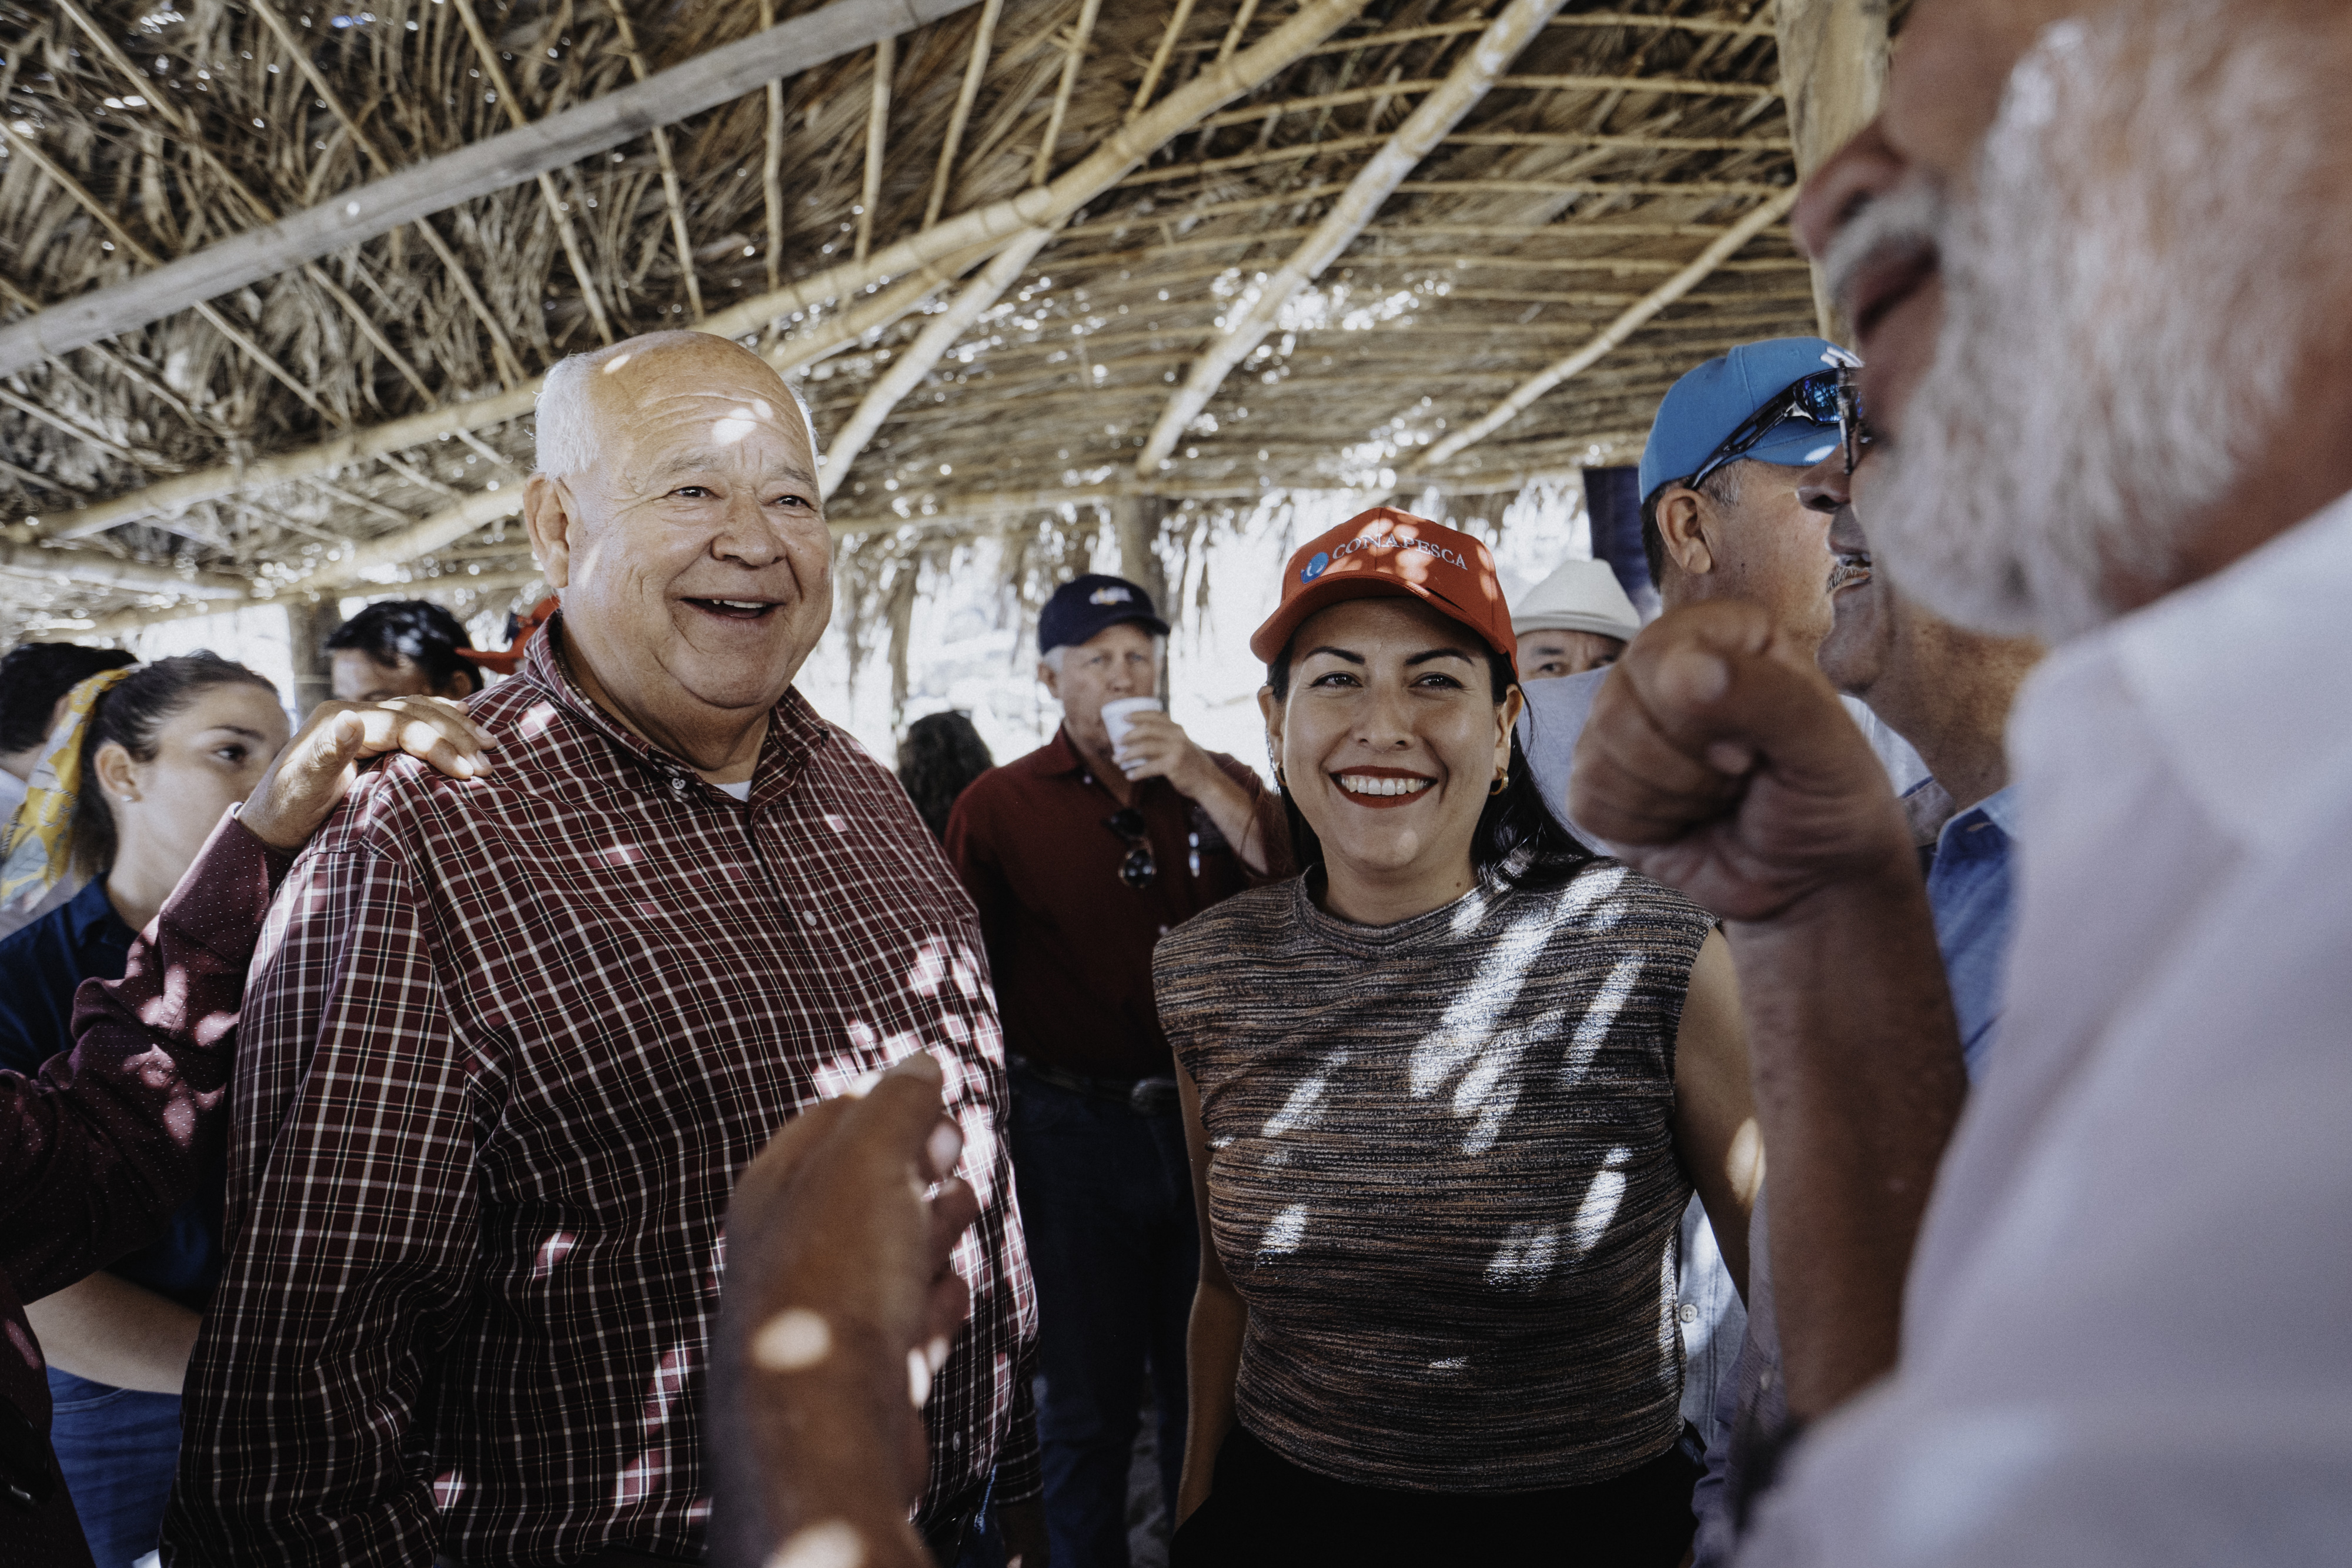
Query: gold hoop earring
(1502, 782)
(1279, 781)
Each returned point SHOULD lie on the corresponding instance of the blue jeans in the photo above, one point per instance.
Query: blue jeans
(117, 1449)
(1107, 1203)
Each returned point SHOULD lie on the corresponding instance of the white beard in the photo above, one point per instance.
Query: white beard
(2112, 322)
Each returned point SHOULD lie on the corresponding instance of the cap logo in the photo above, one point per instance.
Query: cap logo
(1391, 541)
(1110, 596)
(1314, 569)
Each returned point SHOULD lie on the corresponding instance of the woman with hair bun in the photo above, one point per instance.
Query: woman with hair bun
(129, 796)
(1448, 1094)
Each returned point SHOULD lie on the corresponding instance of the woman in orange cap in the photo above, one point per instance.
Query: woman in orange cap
(1448, 1094)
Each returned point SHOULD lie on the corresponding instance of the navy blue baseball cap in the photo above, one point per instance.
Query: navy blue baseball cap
(1083, 606)
(1712, 402)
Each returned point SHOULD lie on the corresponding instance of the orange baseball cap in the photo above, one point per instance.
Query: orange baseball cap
(1385, 552)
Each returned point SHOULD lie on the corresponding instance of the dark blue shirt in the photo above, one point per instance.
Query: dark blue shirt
(41, 967)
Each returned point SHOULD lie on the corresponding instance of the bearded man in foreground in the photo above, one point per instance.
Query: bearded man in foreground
(2129, 442)
(510, 1040)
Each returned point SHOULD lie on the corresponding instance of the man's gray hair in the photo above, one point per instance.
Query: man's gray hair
(566, 420)
(1052, 657)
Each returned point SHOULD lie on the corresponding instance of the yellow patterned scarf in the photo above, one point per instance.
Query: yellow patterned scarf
(36, 852)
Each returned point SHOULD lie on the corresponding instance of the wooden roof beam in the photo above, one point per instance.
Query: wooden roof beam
(1513, 27)
(916, 361)
(445, 180)
(1833, 75)
(1635, 316)
(956, 241)
(96, 569)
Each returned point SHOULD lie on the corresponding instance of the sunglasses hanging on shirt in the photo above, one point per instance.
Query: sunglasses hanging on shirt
(1139, 868)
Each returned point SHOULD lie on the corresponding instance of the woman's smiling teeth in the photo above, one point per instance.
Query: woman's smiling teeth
(1365, 784)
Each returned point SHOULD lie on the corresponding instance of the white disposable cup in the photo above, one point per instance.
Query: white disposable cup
(1119, 716)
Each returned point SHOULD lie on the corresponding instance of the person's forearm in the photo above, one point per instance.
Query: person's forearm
(1858, 1085)
(1234, 810)
(819, 1465)
(108, 1139)
(1213, 1358)
(110, 1330)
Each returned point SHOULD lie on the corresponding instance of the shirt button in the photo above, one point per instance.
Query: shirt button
(1688, 1312)
(676, 785)
(809, 916)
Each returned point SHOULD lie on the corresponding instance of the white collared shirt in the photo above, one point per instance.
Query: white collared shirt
(2127, 1334)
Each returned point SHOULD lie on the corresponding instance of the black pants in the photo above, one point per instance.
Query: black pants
(1267, 1510)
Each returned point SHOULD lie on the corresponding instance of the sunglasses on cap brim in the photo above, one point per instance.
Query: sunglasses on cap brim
(1828, 398)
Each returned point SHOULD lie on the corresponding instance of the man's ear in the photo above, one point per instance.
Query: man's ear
(1682, 525)
(1053, 682)
(547, 516)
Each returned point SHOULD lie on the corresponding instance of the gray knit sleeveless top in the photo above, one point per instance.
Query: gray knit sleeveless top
(1442, 1175)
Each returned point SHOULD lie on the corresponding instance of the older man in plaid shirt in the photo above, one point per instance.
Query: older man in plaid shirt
(509, 1040)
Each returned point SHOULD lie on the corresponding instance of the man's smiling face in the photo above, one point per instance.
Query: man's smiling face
(694, 559)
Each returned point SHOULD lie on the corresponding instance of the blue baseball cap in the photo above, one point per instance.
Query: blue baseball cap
(1083, 606)
(1714, 400)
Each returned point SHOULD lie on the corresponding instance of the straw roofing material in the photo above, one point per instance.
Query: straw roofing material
(150, 128)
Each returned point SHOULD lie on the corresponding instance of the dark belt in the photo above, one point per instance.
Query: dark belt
(1144, 1096)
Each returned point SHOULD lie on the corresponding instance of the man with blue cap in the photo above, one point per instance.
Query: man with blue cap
(1080, 856)
(1722, 518)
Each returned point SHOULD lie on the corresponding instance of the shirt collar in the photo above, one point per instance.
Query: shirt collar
(91, 914)
(795, 730)
(2238, 681)
(1062, 754)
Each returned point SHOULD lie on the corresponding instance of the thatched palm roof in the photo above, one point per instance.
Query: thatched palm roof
(993, 355)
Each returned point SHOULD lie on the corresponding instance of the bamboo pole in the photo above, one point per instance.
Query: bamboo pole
(975, 69)
(556, 206)
(915, 362)
(878, 136)
(771, 166)
(1513, 27)
(1072, 58)
(1150, 83)
(672, 197)
(1635, 316)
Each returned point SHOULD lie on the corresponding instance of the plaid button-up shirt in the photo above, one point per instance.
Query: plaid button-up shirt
(506, 1043)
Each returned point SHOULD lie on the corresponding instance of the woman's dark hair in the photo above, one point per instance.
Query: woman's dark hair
(417, 630)
(941, 755)
(1518, 841)
(34, 676)
(129, 714)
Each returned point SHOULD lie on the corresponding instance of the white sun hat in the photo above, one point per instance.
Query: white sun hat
(1581, 596)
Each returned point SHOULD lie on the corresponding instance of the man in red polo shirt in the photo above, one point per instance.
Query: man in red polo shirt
(1081, 855)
